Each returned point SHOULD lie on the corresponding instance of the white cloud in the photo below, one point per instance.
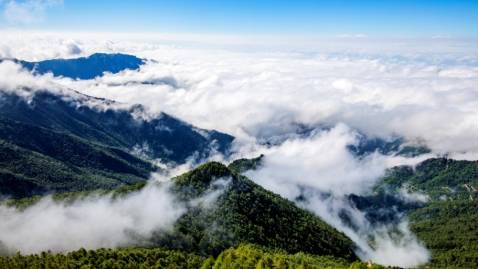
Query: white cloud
(322, 162)
(98, 221)
(408, 195)
(257, 94)
(387, 244)
(28, 11)
(91, 222)
(422, 90)
(319, 171)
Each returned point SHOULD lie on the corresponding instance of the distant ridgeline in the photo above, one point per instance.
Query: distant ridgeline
(364, 145)
(54, 142)
(85, 67)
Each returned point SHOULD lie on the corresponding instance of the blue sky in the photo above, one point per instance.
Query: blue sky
(385, 18)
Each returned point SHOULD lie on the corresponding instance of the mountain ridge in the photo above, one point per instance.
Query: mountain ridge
(65, 133)
(88, 67)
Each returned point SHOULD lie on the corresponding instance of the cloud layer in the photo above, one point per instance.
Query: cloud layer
(423, 91)
(91, 222)
(255, 94)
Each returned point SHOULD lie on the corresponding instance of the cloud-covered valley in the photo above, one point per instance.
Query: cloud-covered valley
(301, 107)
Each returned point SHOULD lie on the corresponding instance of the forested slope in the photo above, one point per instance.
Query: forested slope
(247, 213)
(244, 256)
(448, 222)
(242, 212)
(57, 143)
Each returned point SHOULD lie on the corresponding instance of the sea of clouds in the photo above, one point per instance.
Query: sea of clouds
(266, 90)
(427, 95)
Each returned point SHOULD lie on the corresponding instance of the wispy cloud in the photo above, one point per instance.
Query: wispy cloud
(27, 12)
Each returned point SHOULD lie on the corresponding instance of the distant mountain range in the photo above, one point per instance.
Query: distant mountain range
(85, 67)
(365, 145)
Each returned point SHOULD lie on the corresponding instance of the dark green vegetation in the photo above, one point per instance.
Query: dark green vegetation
(242, 212)
(52, 144)
(450, 231)
(242, 165)
(244, 256)
(440, 178)
(68, 197)
(163, 137)
(106, 258)
(35, 160)
(247, 213)
(448, 223)
(381, 208)
(85, 67)
(251, 256)
(55, 144)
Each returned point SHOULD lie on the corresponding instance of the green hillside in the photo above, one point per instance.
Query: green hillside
(247, 213)
(242, 213)
(448, 223)
(34, 160)
(101, 121)
(242, 165)
(53, 143)
(440, 178)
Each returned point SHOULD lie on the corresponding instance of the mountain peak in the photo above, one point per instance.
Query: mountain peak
(84, 67)
(202, 177)
(245, 212)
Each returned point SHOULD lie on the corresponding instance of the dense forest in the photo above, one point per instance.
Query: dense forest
(448, 222)
(243, 213)
(51, 143)
(243, 256)
(246, 212)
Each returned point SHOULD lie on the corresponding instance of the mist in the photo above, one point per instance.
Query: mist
(97, 220)
(318, 171)
(422, 91)
(91, 222)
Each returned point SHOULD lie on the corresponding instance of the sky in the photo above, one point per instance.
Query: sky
(366, 18)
